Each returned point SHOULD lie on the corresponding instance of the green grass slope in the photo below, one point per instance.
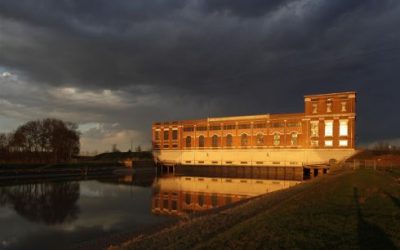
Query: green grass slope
(347, 210)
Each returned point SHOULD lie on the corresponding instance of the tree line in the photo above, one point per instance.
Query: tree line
(39, 141)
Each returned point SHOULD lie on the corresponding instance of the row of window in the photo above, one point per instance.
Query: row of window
(343, 128)
(166, 135)
(172, 204)
(343, 106)
(242, 126)
(329, 143)
(244, 140)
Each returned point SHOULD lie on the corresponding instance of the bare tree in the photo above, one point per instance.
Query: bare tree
(47, 140)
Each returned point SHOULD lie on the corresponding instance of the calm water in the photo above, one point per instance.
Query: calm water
(50, 215)
(53, 214)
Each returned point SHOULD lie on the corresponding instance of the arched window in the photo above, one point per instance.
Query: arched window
(201, 199)
(214, 200)
(244, 140)
(277, 139)
(188, 199)
(229, 140)
(260, 139)
(188, 141)
(214, 141)
(293, 139)
(201, 141)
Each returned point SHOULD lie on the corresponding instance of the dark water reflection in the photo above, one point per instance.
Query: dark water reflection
(51, 214)
(59, 214)
(45, 203)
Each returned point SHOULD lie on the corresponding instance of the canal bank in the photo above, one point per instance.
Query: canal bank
(345, 209)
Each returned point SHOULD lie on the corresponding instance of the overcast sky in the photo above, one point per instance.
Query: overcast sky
(114, 67)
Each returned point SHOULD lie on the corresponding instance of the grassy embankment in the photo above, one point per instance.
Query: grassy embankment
(344, 210)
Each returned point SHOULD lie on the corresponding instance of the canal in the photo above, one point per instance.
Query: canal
(71, 213)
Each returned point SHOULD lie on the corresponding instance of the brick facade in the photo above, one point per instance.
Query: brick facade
(266, 131)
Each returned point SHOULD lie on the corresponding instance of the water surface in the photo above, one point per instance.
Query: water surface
(49, 214)
(57, 214)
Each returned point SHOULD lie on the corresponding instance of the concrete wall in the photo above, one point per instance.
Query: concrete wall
(261, 157)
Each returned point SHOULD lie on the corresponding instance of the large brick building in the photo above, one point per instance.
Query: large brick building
(325, 131)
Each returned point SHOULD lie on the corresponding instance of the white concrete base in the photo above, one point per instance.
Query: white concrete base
(252, 157)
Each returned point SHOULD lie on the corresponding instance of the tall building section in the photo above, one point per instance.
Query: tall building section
(324, 132)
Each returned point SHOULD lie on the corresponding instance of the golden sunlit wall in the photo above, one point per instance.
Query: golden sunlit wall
(328, 122)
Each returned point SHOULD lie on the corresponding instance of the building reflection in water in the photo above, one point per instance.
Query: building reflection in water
(179, 195)
(47, 203)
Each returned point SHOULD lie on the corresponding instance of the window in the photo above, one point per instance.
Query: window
(260, 139)
(214, 141)
(201, 141)
(278, 125)
(314, 108)
(188, 199)
(343, 143)
(314, 143)
(260, 125)
(293, 139)
(277, 139)
(229, 140)
(328, 143)
(293, 124)
(201, 128)
(344, 106)
(201, 200)
(165, 204)
(244, 126)
(229, 126)
(174, 205)
(174, 134)
(188, 129)
(343, 128)
(157, 135)
(328, 128)
(329, 107)
(214, 200)
(314, 128)
(188, 141)
(215, 127)
(166, 135)
(244, 140)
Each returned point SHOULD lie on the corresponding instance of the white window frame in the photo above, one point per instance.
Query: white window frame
(316, 123)
(328, 129)
(314, 108)
(343, 143)
(329, 107)
(344, 106)
(328, 143)
(314, 143)
(343, 127)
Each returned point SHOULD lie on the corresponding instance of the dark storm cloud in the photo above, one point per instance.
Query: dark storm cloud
(253, 8)
(212, 57)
